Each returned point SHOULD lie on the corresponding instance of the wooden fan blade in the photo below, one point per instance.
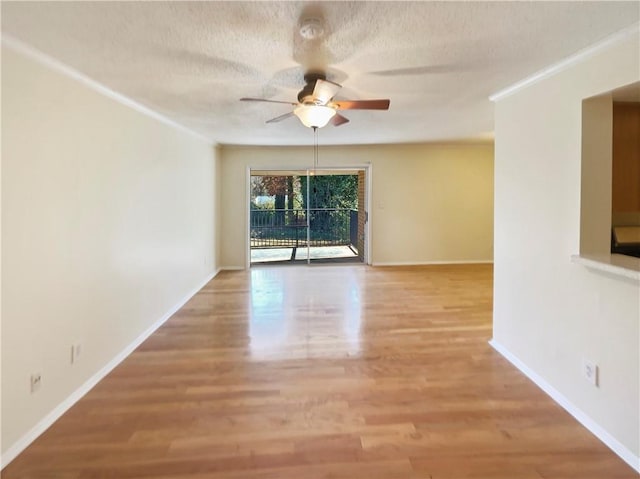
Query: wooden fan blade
(338, 120)
(324, 91)
(268, 101)
(280, 118)
(362, 104)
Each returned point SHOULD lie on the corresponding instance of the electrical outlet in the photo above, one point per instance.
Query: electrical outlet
(36, 382)
(590, 371)
(76, 351)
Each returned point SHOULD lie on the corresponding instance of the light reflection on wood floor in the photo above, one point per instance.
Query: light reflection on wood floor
(295, 316)
(340, 372)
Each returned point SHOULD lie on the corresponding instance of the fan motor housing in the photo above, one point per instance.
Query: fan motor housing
(305, 96)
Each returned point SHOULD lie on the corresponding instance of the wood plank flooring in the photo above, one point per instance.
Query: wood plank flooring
(322, 372)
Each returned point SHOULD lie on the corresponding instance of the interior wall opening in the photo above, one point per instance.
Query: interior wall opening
(610, 194)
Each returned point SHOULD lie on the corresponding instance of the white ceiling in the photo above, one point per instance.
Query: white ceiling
(437, 61)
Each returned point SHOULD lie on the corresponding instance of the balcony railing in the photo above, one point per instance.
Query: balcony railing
(288, 228)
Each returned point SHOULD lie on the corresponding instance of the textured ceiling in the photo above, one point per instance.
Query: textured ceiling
(437, 61)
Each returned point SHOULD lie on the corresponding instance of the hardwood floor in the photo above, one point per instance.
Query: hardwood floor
(322, 372)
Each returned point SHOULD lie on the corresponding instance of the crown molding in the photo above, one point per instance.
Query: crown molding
(568, 62)
(42, 58)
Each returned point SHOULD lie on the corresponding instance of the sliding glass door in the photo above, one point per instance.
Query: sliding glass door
(305, 216)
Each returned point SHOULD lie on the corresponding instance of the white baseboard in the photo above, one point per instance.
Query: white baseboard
(232, 268)
(44, 424)
(616, 446)
(428, 263)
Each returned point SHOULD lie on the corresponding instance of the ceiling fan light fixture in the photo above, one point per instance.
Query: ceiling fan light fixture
(314, 116)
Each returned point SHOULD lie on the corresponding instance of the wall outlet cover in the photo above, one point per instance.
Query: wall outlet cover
(590, 371)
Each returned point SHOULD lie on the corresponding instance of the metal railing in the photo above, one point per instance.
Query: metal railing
(288, 228)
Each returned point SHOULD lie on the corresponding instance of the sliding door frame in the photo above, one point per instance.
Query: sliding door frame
(367, 168)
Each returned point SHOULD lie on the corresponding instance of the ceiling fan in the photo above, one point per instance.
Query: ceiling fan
(316, 106)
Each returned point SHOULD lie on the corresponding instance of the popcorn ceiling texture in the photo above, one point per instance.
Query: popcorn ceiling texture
(437, 61)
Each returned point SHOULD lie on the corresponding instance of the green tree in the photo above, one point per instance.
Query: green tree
(330, 191)
(283, 189)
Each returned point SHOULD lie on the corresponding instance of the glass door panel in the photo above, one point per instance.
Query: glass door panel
(306, 216)
(277, 220)
(333, 212)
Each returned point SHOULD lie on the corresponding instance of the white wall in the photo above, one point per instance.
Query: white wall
(429, 203)
(107, 224)
(550, 313)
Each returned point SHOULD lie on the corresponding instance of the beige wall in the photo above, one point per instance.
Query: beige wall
(429, 203)
(550, 313)
(107, 224)
(595, 175)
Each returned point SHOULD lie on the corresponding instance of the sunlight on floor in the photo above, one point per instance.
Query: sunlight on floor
(316, 252)
(305, 316)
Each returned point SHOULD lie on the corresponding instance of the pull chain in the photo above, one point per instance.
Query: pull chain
(315, 147)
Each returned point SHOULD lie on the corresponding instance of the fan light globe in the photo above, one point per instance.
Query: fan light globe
(314, 116)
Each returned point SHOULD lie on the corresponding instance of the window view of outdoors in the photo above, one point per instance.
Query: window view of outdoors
(287, 215)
